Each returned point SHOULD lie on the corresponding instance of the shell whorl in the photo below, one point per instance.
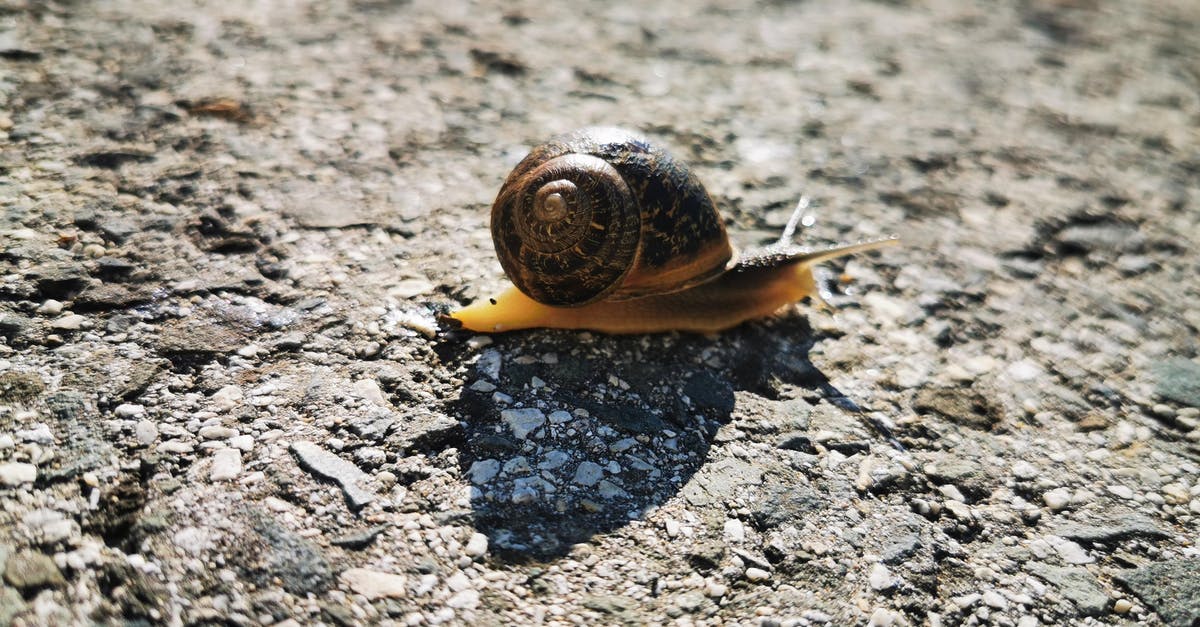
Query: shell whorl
(603, 214)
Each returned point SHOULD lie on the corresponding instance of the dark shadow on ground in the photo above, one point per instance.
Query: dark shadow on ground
(577, 434)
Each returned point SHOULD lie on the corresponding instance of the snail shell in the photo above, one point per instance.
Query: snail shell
(601, 230)
(602, 214)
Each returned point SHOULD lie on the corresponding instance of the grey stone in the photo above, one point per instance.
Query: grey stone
(358, 539)
(484, 470)
(1123, 528)
(1077, 585)
(588, 473)
(423, 430)
(349, 477)
(29, 570)
(1171, 588)
(967, 476)
(296, 562)
(1179, 381)
(523, 421)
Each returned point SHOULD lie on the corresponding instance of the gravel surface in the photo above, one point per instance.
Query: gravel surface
(227, 231)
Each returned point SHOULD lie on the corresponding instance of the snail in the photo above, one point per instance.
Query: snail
(601, 230)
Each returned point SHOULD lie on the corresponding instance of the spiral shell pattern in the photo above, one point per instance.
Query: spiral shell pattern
(602, 214)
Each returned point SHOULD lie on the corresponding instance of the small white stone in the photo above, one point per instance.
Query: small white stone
(735, 531)
(50, 307)
(458, 582)
(715, 590)
(1072, 553)
(227, 464)
(69, 322)
(13, 474)
(216, 432)
(1121, 491)
(881, 578)
(757, 574)
(146, 432)
(1057, 499)
(368, 390)
(373, 584)
(477, 546)
(882, 617)
(1025, 471)
(1176, 494)
(242, 442)
(559, 417)
(1122, 606)
(672, 528)
(1027, 621)
(465, 600)
(129, 410)
(227, 397)
(952, 492)
(991, 598)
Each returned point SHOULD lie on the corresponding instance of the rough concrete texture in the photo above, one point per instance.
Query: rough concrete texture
(227, 230)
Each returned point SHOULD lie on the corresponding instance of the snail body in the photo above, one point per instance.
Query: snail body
(601, 230)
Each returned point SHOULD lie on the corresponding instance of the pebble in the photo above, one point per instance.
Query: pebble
(554, 459)
(227, 397)
(715, 590)
(477, 546)
(13, 474)
(588, 473)
(40, 434)
(69, 322)
(881, 578)
(242, 442)
(523, 421)
(1176, 494)
(227, 464)
(559, 417)
(994, 599)
(735, 531)
(1122, 606)
(756, 574)
(610, 490)
(951, 492)
(1121, 491)
(50, 307)
(1057, 499)
(321, 462)
(1072, 553)
(464, 600)
(373, 584)
(1025, 471)
(129, 410)
(368, 390)
(146, 432)
(216, 432)
(489, 363)
(481, 385)
(30, 570)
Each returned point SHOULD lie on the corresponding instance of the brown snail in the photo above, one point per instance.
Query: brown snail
(601, 230)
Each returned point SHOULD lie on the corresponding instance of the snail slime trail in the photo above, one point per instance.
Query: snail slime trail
(601, 230)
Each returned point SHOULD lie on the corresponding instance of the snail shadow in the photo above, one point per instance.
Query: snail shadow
(570, 435)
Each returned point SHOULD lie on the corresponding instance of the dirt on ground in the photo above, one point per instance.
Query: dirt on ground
(228, 233)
